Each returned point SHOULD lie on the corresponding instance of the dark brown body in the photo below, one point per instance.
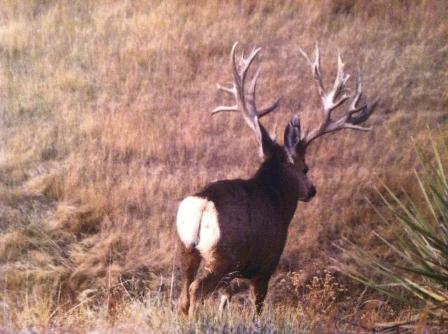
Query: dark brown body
(253, 218)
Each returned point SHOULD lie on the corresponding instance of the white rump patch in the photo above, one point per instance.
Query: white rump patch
(209, 233)
(197, 224)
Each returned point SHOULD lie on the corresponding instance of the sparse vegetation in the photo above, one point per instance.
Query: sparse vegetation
(105, 125)
(420, 244)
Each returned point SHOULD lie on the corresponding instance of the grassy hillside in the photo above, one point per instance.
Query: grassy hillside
(105, 125)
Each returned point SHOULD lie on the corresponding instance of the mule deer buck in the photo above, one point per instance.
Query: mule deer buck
(238, 228)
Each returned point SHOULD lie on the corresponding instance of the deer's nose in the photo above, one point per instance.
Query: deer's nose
(312, 192)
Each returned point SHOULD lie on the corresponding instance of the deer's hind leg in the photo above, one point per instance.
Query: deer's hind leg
(202, 287)
(190, 261)
(259, 291)
(213, 276)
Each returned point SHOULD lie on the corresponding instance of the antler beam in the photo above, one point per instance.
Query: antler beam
(245, 100)
(335, 98)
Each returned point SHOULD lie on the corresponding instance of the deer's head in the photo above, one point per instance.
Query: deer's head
(289, 159)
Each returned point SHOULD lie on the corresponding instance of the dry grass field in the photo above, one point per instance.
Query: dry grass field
(105, 125)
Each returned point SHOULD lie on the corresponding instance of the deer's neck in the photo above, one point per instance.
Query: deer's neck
(281, 188)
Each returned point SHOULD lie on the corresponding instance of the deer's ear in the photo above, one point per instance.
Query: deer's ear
(292, 135)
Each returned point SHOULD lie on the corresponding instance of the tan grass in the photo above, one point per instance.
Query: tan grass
(105, 126)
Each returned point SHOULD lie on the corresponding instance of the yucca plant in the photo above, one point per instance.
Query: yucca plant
(419, 271)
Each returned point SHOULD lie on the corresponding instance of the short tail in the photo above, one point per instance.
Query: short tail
(188, 221)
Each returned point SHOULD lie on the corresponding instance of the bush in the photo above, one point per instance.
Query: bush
(418, 266)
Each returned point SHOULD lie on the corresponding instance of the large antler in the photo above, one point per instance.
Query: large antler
(334, 99)
(245, 101)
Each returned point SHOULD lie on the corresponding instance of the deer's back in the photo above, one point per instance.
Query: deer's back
(240, 222)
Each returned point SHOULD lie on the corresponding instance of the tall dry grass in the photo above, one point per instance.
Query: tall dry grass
(105, 126)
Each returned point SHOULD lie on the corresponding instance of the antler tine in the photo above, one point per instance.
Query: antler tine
(240, 70)
(339, 84)
(246, 64)
(252, 89)
(357, 115)
(263, 112)
(364, 114)
(232, 90)
(223, 108)
(234, 66)
(358, 94)
(335, 98)
(252, 97)
(315, 68)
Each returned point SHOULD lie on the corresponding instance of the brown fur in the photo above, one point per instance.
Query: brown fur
(254, 216)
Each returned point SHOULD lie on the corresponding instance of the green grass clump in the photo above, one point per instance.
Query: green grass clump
(415, 270)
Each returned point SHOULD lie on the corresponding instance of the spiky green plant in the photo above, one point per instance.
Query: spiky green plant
(420, 244)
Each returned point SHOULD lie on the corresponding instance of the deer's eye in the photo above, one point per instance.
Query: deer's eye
(305, 170)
